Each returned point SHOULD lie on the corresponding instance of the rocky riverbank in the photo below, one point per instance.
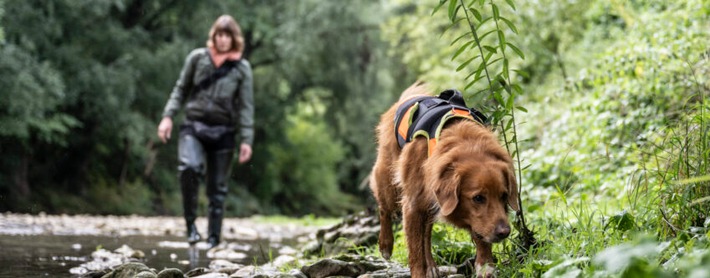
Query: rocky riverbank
(312, 251)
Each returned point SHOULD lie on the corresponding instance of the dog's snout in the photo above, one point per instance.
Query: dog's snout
(502, 230)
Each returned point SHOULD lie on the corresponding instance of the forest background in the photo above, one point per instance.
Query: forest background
(84, 84)
(611, 119)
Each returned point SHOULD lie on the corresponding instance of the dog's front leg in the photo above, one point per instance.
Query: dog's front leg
(485, 267)
(386, 195)
(386, 238)
(418, 244)
(432, 270)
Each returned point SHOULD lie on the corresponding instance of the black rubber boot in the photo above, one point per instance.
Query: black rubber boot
(189, 184)
(218, 166)
(192, 235)
(214, 227)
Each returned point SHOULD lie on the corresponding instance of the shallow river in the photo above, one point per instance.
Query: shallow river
(54, 256)
(50, 246)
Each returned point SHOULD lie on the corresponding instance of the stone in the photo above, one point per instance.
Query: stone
(283, 260)
(220, 252)
(367, 263)
(332, 267)
(130, 270)
(356, 230)
(447, 270)
(213, 275)
(297, 273)
(170, 273)
(312, 247)
(392, 271)
(197, 272)
(244, 272)
(146, 274)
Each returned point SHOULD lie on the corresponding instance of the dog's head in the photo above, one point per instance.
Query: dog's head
(474, 186)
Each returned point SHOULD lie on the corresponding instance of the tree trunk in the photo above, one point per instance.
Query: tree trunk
(124, 165)
(19, 176)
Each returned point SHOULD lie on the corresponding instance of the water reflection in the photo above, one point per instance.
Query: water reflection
(54, 255)
(193, 253)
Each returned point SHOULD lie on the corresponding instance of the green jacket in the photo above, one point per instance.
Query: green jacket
(228, 101)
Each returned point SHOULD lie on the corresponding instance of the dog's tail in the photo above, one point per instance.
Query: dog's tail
(418, 88)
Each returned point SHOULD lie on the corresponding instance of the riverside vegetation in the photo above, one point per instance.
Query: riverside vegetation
(604, 104)
(611, 134)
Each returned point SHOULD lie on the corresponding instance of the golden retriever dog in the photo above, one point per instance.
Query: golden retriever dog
(467, 179)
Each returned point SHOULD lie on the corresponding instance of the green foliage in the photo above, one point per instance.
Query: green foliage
(103, 198)
(615, 140)
(453, 247)
(305, 168)
(31, 110)
(87, 81)
(623, 221)
(2, 12)
(633, 259)
(682, 157)
(358, 78)
(130, 198)
(626, 123)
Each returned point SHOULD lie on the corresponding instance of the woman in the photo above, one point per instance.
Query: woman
(215, 85)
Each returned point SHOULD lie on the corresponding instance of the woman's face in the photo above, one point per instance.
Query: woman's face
(223, 41)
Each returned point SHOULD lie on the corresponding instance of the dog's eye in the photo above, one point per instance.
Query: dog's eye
(479, 199)
(504, 197)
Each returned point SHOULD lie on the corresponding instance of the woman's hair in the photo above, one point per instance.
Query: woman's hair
(227, 24)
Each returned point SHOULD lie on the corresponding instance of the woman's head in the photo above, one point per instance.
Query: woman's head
(225, 35)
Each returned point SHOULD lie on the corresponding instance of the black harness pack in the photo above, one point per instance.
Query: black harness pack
(426, 116)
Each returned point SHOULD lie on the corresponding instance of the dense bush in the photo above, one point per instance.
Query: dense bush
(614, 144)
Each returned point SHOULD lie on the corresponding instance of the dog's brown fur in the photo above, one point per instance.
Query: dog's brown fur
(468, 180)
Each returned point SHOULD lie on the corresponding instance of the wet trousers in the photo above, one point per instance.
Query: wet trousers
(208, 160)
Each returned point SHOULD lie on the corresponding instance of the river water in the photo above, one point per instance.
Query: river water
(50, 246)
(54, 256)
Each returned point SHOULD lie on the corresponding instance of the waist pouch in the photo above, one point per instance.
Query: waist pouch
(219, 136)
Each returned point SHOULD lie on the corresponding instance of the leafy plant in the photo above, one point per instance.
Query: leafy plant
(488, 51)
(453, 247)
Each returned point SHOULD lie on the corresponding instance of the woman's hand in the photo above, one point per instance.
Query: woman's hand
(244, 153)
(165, 128)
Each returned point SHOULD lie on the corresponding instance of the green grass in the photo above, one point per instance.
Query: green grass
(581, 237)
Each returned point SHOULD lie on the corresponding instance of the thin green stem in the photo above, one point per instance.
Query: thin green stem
(511, 93)
(478, 43)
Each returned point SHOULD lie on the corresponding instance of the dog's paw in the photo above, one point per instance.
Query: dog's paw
(385, 255)
(485, 271)
(432, 272)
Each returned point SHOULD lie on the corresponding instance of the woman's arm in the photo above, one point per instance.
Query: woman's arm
(246, 105)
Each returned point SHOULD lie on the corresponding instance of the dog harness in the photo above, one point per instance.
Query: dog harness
(426, 116)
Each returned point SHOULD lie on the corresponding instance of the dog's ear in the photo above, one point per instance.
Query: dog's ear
(447, 189)
(509, 174)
